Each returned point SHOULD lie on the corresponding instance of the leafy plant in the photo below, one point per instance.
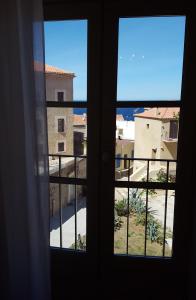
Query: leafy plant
(81, 243)
(138, 208)
(117, 221)
(136, 203)
(121, 207)
(162, 176)
(152, 230)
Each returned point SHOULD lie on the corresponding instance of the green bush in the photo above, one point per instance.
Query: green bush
(162, 176)
(121, 207)
(117, 221)
(138, 208)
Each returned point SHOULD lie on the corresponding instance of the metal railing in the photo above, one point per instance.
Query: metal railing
(61, 166)
(64, 171)
(164, 178)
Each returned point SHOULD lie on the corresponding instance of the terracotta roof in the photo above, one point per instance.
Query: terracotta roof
(160, 113)
(54, 70)
(80, 120)
(119, 118)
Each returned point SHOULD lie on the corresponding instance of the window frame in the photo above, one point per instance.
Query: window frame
(91, 12)
(123, 263)
(58, 145)
(60, 91)
(170, 129)
(106, 57)
(61, 126)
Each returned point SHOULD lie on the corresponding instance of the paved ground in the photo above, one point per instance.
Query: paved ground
(68, 225)
(157, 203)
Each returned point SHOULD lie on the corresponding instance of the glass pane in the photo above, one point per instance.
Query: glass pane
(67, 147)
(81, 217)
(120, 220)
(170, 222)
(68, 216)
(143, 222)
(144, 146)
(150, 58)
(66, 60)
(54, 215)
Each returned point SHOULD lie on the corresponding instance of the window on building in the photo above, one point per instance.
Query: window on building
(60, 96)
(120, 131)
(173, 131)
(61, 147)
(61, 125)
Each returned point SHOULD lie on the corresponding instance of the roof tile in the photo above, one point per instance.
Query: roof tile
(160, 113)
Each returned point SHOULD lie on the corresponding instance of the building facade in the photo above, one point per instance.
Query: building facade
(59, 87)
(156, 135)
(125, 136)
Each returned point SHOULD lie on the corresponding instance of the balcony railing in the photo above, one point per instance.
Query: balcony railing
(147, 196)
(155, 178)
(67, 201)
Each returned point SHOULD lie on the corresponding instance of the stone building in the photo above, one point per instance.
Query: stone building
(59, 87)
(125, 136)
(80, 134)
(156, 135)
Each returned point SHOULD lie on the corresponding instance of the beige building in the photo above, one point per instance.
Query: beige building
(59, 87)
(80, 134)
(125, 132)
(156, 135)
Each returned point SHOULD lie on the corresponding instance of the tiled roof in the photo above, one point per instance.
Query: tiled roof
(54, 70)
(160, 113)
(119, 118)
(79, 120)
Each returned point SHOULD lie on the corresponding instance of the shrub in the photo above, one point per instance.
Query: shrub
(162, 176)
(121, 207)
(117, 221)
(81, 243)
(136, 204)
(138, 207)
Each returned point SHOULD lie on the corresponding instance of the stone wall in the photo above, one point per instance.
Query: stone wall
(67, 191)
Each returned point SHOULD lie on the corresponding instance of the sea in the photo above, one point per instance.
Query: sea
(128, 113)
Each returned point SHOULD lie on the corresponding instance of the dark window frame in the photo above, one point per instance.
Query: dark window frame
(61, 146)
(61, 98)
(107, 56)
(173, 129)
(61, 125)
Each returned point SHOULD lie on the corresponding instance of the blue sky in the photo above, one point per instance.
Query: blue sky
(149, 60)
(66, 48)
